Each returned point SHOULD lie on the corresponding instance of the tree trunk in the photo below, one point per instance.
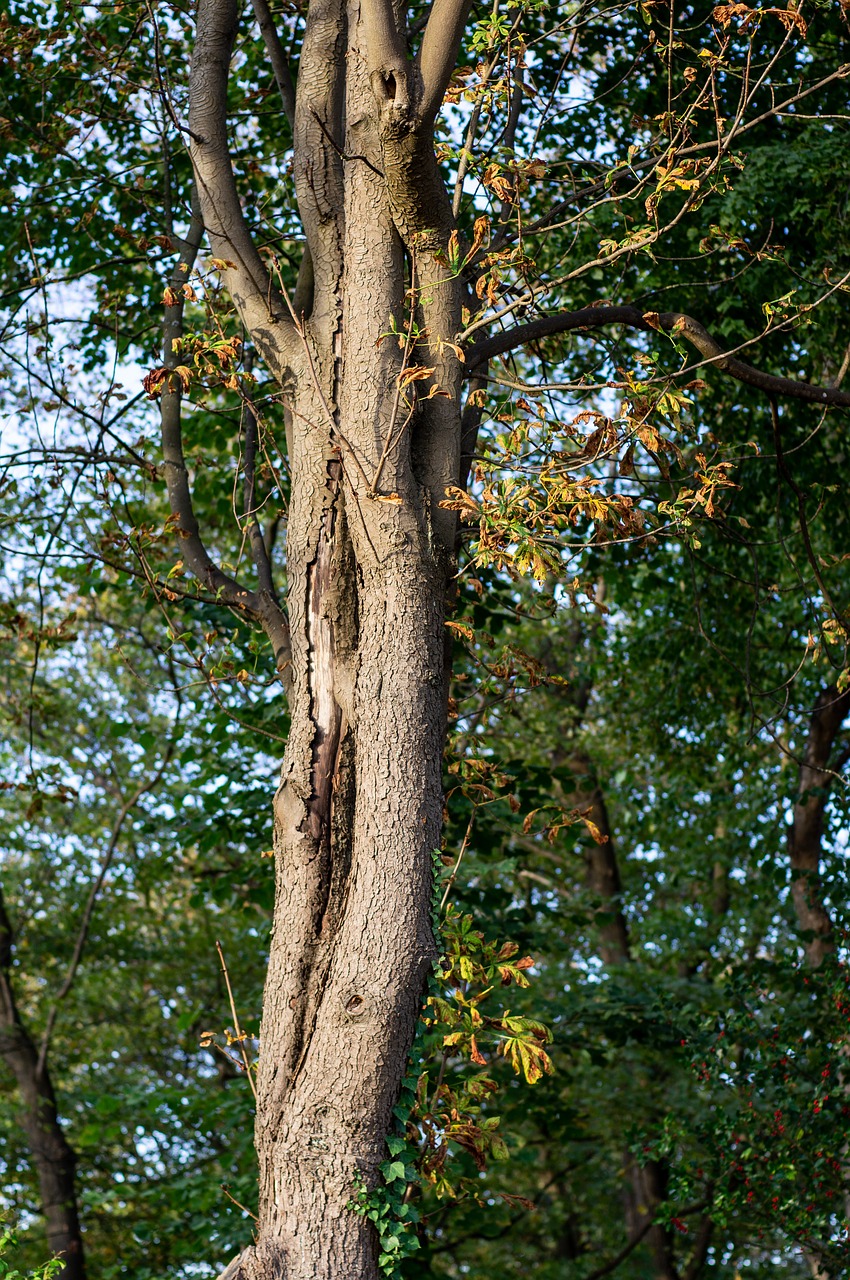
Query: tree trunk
(805, 831)
(369, 553)
(51, 1152)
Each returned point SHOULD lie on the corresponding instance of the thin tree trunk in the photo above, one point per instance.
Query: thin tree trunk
(602, 867)
(51, 1152)
(805, 831)
(805, 845)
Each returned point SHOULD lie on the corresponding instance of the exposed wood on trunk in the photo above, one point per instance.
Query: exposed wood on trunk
(51, 1152)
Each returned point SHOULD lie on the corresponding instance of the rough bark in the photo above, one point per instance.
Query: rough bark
(369, 553)
(51, 1152)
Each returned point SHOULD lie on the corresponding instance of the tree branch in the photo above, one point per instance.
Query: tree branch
(549, 220)
(246, 276)
(389, 69)
(438, 52)
(227, 590)
(194, 552)
(277, 57)
(259, 553)
(317, 167)
(303, 299)
(668, 322)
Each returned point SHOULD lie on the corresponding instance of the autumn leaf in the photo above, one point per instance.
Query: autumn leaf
(153, 380)
(462, 628)
(414, 373)
(594, 830)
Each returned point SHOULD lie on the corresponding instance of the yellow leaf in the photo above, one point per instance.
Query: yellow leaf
(594, 830)
(462, 628)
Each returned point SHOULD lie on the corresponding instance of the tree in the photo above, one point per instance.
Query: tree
(403, 294)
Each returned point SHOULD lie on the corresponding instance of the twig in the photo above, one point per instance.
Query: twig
(343, 155)
(223, 1186)
(463, 849)
(236, 1027)
(300, 330)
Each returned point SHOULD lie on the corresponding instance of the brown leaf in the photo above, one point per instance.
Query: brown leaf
(153, 380)
(414, 373)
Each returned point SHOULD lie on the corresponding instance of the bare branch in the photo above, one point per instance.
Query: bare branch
(549, 220)
(668, 322)
(286, 88)
(317, 166)
(194, 552)
(259, 553)
(236, 1027)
